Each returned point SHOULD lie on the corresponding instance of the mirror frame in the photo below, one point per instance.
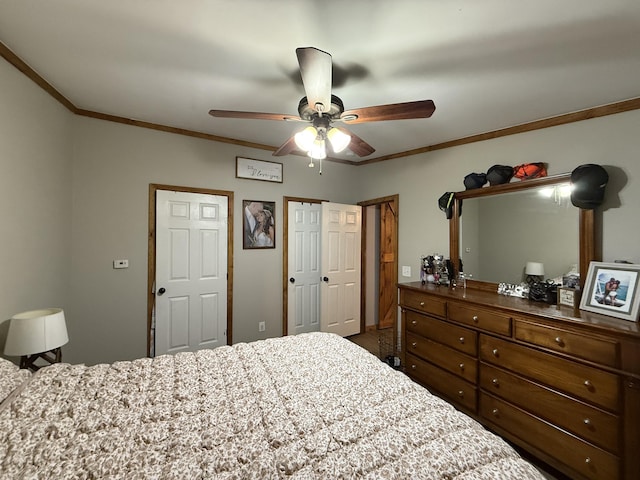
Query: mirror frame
(586, 225)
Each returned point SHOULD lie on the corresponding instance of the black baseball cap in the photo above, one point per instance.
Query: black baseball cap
(475, 180)
(588, 182)
(499, 174)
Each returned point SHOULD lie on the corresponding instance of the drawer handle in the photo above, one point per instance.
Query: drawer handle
(414, 344)
(587, 460)
(495, 412)
(460, 393)
(495, 352)
(587, 384)
(414, 322)
(495, 382)
(587, 421)
(559, 341)
(475, 318)
(413, 366)
(461, 339)
(461, 366)
(422, 304)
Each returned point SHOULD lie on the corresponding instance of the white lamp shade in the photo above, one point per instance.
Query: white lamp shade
(36, 331)
(339, 140)
(318, 150)
(534, 268)
(305, 138)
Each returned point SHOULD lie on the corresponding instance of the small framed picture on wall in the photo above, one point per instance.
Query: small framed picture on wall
(259, 224)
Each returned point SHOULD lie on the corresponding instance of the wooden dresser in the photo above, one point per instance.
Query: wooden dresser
(563, 384)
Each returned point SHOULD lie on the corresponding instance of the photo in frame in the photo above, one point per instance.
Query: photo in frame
(259, 224)
(612, 289)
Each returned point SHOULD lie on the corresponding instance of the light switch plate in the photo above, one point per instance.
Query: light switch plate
(406, 271)
(121, 263)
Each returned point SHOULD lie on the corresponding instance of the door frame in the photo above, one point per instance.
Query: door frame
(393, 199)
(151, 249)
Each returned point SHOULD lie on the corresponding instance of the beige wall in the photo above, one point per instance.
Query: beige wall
(112, 169)
(35, 204)
(611, 141)
(74, 198)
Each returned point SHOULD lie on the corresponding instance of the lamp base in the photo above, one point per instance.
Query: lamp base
(52, 356)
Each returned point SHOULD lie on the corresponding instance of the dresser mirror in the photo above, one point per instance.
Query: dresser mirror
(495, 231)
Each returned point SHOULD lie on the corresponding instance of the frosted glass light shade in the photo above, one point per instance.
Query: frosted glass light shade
(36, 331)
(318, 150)
(339, 140)
(305, 138)
(534, 268)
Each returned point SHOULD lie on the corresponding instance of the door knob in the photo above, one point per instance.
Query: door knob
(292, 280)
(325, 279)
(161, 290)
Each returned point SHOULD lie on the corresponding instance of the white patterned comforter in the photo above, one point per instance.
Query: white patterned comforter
(304, 407)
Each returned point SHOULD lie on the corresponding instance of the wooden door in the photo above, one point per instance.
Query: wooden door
(341, 267)
(191, 271)
(303, 267)
(387, 294)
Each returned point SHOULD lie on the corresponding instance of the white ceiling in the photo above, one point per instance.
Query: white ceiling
(486, 64)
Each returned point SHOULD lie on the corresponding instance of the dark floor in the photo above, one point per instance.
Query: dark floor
(380, 343)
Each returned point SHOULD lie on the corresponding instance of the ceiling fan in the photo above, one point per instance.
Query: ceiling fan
(322, 109)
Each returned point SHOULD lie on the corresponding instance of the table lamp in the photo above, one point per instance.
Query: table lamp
(37, 334)
(534, 272)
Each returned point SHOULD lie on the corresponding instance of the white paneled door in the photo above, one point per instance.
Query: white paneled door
(340, 260)
(303, 296)
(191, 271)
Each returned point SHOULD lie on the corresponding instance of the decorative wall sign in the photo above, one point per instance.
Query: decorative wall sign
(258, 227)
(258, 170)
(612, 289)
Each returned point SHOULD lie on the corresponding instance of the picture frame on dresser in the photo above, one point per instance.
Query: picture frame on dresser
(612, 289)
(569, 297)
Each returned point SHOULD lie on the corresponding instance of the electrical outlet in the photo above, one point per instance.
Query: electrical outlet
(406, 271)
(121, 264)
(261, 327)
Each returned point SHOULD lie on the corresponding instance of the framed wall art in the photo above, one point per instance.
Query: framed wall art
(258, 170)
(259, 224)
(612, 289)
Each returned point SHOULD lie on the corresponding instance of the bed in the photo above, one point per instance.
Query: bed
(300, 407)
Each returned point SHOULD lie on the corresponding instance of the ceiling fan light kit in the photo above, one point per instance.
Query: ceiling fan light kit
(320, 108)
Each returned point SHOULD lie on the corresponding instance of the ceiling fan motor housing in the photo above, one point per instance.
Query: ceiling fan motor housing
(307, 112)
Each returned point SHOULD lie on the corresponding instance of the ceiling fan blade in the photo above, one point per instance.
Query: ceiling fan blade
(392, 111)
(357, 145)
(252, 115)
(315, 69)
(286, 148)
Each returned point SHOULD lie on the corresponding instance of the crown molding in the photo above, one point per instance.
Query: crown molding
(586, 114)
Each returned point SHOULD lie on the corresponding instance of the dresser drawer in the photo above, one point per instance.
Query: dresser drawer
(444, 357)
(450, 386)
(424, 303)
(592, 424)
(581, 456)
(460, 338)
(591, 384)
(479, 318)
(598, 350)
